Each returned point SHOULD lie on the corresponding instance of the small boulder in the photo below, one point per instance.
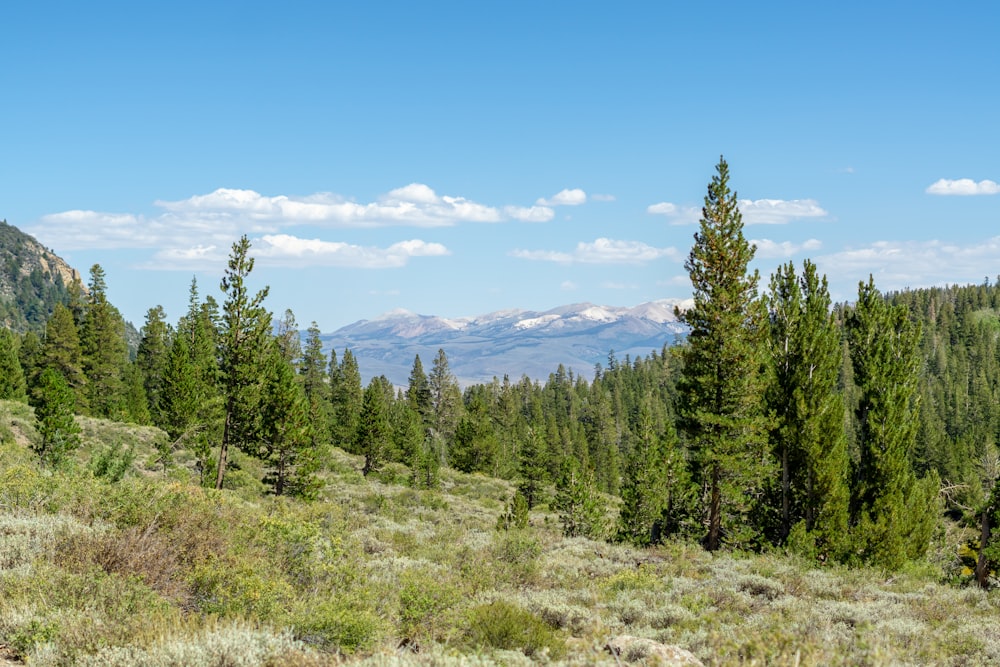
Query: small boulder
(635, 649)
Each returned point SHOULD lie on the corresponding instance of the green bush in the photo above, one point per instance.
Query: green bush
(502, 625)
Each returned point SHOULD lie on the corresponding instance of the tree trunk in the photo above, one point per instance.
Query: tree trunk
(714, 511)
(982, 566)
(223, 450)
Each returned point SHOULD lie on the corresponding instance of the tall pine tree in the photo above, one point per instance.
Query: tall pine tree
(722, 383)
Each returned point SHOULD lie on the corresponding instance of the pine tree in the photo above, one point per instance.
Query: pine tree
(578, 502)
(446, 398)
(61, 352)
(722, 384)
(475, 445)
(312, 371)
(346, 397)
(288, 449)
(105, 352)
(245, 337)
(12, 384)
(418, 392)
(373, 437)
(54, 407)
(893, 513)
(808, 434)
(151, 358)
(645, 485)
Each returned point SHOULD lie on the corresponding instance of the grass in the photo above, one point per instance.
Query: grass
(153, 570)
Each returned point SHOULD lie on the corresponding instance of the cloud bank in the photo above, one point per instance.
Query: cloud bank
(755, 211)
(601, 251)
(963, 187)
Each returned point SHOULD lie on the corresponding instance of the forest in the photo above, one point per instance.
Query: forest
(850, 435)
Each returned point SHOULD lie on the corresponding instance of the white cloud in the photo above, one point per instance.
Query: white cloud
(219, 217)
(768, 249)
(602, 197)
(900, 264)
(529, 213)
(290, 251)
(601, 251)
(755, 212)
(779, 211)
(618, 286)
(567, 197)
(678, 215)
(963, 186)
(568, 286)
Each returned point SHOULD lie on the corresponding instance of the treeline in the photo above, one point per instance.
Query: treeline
(840, 431)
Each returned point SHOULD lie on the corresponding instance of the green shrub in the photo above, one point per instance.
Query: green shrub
(502, 625)
(342, 623)
(424, 597)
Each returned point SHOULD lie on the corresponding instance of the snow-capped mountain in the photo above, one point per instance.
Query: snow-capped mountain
(508, 342)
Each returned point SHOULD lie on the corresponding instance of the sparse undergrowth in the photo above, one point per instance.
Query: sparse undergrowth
(152, 570)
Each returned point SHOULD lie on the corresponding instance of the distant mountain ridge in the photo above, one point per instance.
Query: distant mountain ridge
(509, 342)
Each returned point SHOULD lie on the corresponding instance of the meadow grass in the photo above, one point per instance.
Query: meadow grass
(154, 570)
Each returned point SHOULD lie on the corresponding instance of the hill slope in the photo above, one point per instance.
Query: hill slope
(33, 280)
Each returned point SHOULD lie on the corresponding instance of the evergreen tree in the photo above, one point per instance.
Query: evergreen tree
(54, 407)
(312, 371)
(446, 398)
(533, 468)
(105, 352)
(645, 486)
(722, 384)
(151, 358)
(475, 445)
(418, 392)
(893, 513)
(61, 352)
(245, 337)
(578, 502)
(373, 437)
(346, 395)
(12, 384)
(808, 435)
(288, 449)
(287, 335)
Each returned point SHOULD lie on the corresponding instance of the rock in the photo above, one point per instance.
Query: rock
(633, 649)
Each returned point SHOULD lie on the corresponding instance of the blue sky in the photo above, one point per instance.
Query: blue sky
(456, 158)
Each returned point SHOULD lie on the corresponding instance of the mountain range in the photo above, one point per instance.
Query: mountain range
(509, 342)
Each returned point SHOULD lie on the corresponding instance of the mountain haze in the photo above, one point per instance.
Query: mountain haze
(508, 342)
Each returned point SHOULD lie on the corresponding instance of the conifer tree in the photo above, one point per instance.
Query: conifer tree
(446, 398)
(61, 352)
(808, 433)
(722, 384)
(245, 336)
(12, 384)
(418, 392)
(645, 485)
(578, 502)
(54, 407)
(151, 358)
(287, 446)
(312, 371)
(475, 443)
(892, 512)
(105, 352)
(373, 437)
(346, 397)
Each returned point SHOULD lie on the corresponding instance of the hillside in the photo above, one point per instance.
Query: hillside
(152, 570)
(512, 342)
(33, 280)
